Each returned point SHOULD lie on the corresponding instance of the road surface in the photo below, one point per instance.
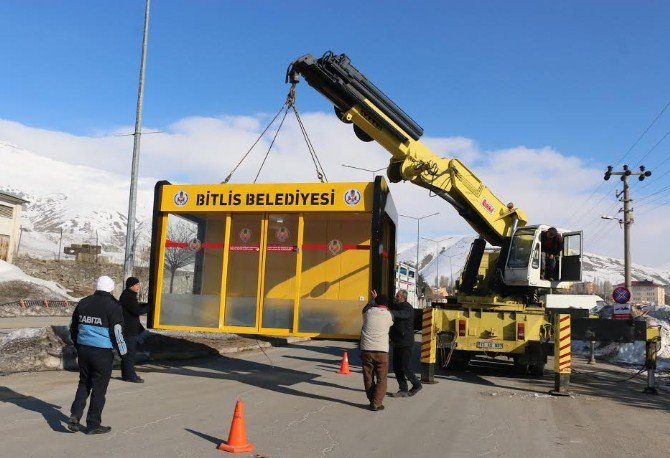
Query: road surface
(297, 406)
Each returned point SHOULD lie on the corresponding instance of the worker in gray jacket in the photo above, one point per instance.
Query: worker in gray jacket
(377, 321)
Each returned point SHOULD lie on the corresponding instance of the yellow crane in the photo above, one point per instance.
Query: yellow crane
(500, 308)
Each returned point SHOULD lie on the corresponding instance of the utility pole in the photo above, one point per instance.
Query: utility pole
(627, 217)
(18, 245)
(60, 243)
(132, 201)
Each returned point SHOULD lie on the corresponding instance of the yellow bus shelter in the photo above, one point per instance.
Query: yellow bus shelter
(274, 259)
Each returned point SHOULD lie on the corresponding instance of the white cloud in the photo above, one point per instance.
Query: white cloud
(548, 185)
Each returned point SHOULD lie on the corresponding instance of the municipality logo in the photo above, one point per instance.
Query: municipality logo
(180, 198)
(352, 197)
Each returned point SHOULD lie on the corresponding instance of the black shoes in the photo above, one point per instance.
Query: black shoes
(415, 389)
(375, 408)
(136, 380)
(99, 430)
(74, 425)
(400, 394)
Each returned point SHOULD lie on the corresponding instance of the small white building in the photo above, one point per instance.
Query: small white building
(10, 224)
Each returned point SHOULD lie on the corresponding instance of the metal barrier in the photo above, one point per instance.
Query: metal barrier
(25, 303)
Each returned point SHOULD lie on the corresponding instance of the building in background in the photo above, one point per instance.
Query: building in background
(10, 224)
(646, 292)
(405, 278)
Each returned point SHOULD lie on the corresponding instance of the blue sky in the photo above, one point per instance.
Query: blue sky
(583, 78)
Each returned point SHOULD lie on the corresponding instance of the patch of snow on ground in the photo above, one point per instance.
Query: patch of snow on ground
(9, 272)
(25, 333)
(634, 353)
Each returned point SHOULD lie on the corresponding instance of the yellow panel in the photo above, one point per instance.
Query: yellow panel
(279, 197)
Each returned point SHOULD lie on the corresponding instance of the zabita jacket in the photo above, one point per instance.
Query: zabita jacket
(97, 321)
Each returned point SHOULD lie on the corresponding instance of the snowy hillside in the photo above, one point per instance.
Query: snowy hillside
(88, 204)
(454, 250)
(11, 273)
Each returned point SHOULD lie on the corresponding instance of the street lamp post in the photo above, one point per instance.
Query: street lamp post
(129, 256)
(418, 231)
(364, 169)
(451, 272)
(437, 259)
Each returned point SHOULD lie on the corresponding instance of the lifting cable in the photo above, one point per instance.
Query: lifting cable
(289, 104)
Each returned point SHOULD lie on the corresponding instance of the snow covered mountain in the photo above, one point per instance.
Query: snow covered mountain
(454, 249)
(46, 215)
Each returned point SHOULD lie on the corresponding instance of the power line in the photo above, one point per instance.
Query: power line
(660, 113)
(630, 148)
(653, 147)
(654, 193)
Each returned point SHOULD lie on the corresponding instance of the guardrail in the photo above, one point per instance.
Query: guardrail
(25, 303)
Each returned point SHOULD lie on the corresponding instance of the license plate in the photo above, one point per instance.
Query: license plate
(486, 344)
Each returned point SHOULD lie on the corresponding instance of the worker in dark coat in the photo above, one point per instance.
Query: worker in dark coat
(96, 328)
(552, 246)
(132, 328)
(402, 339)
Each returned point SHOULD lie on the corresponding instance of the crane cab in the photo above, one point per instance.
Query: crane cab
(530, 263)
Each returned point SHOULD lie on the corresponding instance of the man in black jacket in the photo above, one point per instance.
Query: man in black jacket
(132, 328)
(402, 338)
(96, 328)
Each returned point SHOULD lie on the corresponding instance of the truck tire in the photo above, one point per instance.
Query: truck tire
(459, 361)
(520, 368)
(537, 369)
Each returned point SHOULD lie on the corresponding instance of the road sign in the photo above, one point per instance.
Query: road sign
(621, 311)
(621, 295)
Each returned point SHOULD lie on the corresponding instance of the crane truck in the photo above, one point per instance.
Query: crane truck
(500, 306)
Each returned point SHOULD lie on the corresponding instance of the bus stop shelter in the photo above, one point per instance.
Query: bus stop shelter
(273, 259)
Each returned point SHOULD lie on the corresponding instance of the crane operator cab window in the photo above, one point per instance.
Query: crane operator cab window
(522, 244)
(544, 256)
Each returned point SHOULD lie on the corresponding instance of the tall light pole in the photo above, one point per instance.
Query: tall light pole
(451, 271)
(132, 200)
(418, 231)
(437, 259)
(364, 169)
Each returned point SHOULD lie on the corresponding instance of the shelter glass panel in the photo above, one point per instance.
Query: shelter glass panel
(280, 271)
(335, 272)
(193, 264)
(243, 262)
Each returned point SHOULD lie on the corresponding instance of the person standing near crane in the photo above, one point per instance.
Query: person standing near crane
(402, 338)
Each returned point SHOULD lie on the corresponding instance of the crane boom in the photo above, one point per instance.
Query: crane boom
(376, 117)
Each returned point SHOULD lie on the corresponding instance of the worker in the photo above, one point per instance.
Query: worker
(402, 338)
(552, 246)
(132, 328)
(96, 328)
(377, 321)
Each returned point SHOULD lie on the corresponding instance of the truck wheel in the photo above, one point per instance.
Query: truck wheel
(537, 369)
(459, 361)
(520, 368)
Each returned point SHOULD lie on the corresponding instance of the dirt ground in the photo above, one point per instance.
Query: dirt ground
(14, 290)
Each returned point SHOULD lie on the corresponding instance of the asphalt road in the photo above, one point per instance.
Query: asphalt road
(297, 406)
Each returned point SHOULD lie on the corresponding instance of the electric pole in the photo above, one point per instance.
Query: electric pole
(129, 257)
(627, 217)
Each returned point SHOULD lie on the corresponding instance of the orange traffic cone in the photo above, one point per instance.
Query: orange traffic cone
(344, 366)
(237, 438)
